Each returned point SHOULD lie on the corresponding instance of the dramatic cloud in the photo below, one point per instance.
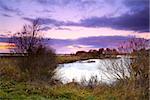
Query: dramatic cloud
(138, 21)
(72, 19)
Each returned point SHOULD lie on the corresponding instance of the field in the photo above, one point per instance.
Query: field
(72, 58)
(13, 86)
(40, 91)
(67, 59)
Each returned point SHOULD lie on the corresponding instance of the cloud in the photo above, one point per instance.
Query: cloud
(102, 41)
(68, 45)
(8, 9)
(60, 42)
(136, 5)
(66, 2)
(4, 7)
(46, 28)
(62, 28)
(4, 39)
(44, 11)
(6, 15)
(138, 21)
(71, 46)
(46, 21)
(96, 42)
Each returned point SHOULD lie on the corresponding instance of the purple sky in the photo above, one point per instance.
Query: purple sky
(78, 24)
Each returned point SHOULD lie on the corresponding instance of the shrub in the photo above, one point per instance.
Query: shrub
(9, 70)
(37, 62)
(39, 65)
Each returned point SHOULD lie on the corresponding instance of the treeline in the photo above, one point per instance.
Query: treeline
(101, 53)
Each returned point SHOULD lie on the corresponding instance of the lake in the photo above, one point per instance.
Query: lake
(93, 67)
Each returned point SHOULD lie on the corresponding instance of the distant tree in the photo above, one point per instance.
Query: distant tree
(101, 50)
(108, 51)
(38, 61)
(93, 53)
(114, 52)
(81, 53)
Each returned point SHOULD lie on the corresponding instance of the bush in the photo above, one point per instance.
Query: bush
(39, 65)
(8, 70)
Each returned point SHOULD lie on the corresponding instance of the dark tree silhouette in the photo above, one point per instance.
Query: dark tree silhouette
(101, 50)
(29, 39)
(38, 62)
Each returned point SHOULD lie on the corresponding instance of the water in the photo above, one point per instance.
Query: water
(93, 67)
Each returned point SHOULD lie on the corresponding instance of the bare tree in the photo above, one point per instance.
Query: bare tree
(133, 44)
(28, 39)
(38, 62)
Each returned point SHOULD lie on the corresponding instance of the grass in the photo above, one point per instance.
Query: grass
(67, 59)
(12, 87)
(13, 90)
(23, 90)
(72, 58)
(60, 59)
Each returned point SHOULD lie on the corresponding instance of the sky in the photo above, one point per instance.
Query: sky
(75, 25)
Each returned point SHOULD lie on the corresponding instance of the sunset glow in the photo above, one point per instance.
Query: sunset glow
(6, 46)
(67, 22)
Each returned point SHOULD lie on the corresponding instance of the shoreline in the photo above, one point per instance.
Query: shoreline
(71, 59)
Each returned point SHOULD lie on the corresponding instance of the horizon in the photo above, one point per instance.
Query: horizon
(77, 25)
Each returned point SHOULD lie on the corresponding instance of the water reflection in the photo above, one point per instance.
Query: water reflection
(88, 68)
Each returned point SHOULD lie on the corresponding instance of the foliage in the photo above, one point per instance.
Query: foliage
(37, 61)
(8, 69)
(22, 90)
(26, 90)
(101, 53)
(13, 89)
(39, 66)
